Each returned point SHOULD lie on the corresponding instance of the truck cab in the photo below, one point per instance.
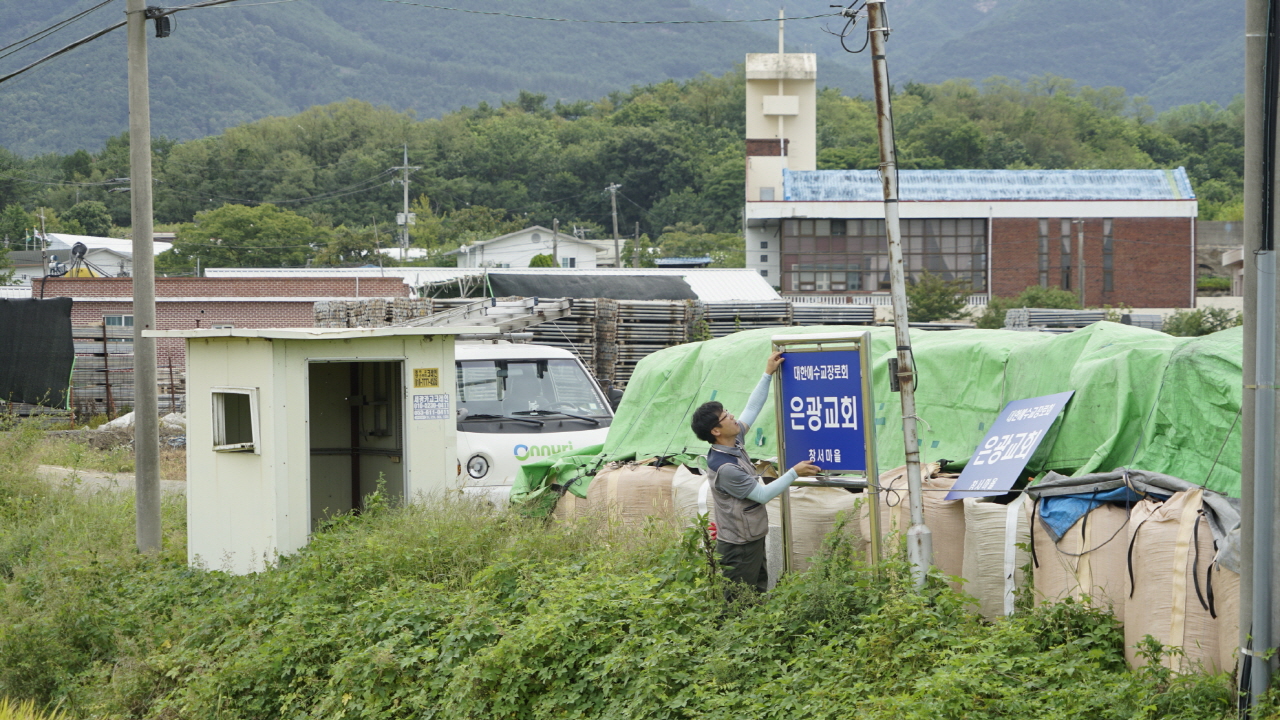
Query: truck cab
(518, 403)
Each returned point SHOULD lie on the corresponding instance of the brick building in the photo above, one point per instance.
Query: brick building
(185, 303)
(821, 232)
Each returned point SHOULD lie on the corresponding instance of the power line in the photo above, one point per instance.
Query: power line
(606, 22)
(30, 39)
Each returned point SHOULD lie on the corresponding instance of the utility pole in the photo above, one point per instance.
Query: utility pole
(919, 538)
(1258, 462)
(146, 409)
(555, 241)
(635, 248)
(1080, 258)
(405, 219)
(617, 250)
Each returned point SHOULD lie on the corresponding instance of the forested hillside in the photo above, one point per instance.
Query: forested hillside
(228, 65)
(1171, 53)
(676, 149)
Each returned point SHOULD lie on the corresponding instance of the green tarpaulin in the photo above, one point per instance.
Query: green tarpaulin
(1142, 399)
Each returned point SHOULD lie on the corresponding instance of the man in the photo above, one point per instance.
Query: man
(742, 521)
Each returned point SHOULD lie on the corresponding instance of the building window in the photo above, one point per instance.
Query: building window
(222, 326)
(117, 320)
(764, 245)
(235, 419)
(1044, 252)
(764, 273)
(1108, 257)
(853, 255)
(1066, 254)
(764, 258)
(568, 262)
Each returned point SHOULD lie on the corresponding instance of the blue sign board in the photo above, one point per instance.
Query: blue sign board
(822, 410)
(1009, 444)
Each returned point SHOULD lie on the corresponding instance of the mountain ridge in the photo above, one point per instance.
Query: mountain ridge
(232, 64)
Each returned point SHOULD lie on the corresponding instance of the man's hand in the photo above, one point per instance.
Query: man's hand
(774, 362)
(806, 469)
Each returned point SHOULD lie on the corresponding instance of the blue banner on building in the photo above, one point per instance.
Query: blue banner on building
(1013, 438)
(822, 410)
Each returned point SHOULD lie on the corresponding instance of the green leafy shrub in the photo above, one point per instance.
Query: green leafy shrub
(1203, 321)
(1213, 284)
(542, 261)
(932, 298)
(1034, 296)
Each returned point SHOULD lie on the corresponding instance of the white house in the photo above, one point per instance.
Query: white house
(517, 249)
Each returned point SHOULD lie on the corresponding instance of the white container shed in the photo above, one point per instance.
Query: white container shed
(286, 427)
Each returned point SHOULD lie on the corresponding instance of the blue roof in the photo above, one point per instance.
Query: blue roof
(988, 185)
(682, 260)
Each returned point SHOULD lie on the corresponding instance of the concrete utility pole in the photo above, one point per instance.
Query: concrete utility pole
(617, 249)
(1258, 407)
(405, 217)
(146, 408)
(1080, 259)
(919, 538)
(635, 248)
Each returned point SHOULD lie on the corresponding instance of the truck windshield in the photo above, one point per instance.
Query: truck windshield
(527, 388)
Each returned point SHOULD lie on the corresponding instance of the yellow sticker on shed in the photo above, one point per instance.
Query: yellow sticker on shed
(426, 377)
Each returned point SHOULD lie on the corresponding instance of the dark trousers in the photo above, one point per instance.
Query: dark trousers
(743, 565)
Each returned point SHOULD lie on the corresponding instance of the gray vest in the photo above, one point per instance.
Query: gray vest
(738, 521)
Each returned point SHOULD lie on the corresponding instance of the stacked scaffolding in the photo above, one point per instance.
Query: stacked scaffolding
(815, 314)
(371, 312)
(646, 326)
(726, 318)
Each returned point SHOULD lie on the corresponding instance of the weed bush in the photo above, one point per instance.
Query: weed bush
(446, 610)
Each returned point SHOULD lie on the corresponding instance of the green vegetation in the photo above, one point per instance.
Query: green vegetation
(1203, 321)
(1213, 284)
(447, 610)
(931, 298)
(992, 318)
(676, 149)
(542, 261)
(13, 710)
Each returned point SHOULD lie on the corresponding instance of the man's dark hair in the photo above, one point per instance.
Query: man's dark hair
(705, 419)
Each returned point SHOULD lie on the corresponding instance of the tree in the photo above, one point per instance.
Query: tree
(350, 246)
(15, 224)
(6, 266)
(92, 215)
(542, 261)
(932, 298)
(726, 250)
(1032, 297)
(244, 236)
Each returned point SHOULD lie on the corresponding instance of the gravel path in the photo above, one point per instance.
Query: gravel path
(94, 480)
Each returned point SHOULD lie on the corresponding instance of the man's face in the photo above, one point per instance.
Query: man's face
(727, 430)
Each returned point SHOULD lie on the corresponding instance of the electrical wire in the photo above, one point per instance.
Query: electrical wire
(30, 39)
(68, 48)
(606, 22)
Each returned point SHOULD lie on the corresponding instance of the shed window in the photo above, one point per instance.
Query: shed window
(235, 420)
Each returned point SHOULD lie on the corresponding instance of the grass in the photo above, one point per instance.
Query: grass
(445, 609)
(65, 452)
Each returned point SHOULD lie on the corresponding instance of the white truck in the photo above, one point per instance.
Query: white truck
(520, 402)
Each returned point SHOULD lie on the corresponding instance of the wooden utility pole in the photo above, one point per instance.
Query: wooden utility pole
(617, 249)
(146, 415)
(919, 538)
(635, 248)
(555, 241)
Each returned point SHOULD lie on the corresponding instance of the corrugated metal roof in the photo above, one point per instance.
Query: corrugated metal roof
(985, 185)
(711, 285)
(63, 241)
